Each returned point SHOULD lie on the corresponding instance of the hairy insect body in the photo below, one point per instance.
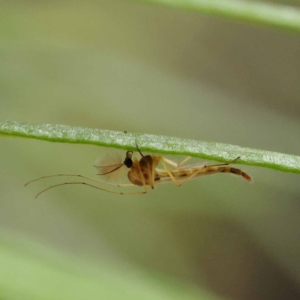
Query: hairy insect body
(143, 171)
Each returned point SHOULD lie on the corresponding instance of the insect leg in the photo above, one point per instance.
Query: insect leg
(138, 149)
(174, 164)
(142, 177)
(168, 171)
(90, 185)
(81, 176)
(228, 163)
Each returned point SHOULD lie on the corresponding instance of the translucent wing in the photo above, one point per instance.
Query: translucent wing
(111, 167)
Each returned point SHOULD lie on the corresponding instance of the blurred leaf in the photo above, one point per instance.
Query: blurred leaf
(152, 143)
(29, 270)
(281, 16)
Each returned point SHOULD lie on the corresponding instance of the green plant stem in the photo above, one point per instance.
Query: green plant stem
(152, 143)
(280, 16)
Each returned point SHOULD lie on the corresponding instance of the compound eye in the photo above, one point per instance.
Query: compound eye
(128, 162)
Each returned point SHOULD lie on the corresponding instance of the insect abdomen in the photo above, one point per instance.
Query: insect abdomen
(229, 170)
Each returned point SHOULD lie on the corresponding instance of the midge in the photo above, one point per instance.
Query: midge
(145, 172)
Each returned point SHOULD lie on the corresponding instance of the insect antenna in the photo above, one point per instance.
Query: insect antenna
(111, 171)
(138, 149)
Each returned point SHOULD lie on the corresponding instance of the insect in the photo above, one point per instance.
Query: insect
(145, 172)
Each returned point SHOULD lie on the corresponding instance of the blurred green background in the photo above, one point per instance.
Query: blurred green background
(120, 65)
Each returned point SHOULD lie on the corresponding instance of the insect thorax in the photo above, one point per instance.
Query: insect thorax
(141, 171)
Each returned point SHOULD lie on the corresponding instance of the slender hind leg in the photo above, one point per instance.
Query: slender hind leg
(180, 164)
(87, 184)
(174, 164)
(227, 163)
(164, 163)
(174, 179)
(81, 176)
(90, 185)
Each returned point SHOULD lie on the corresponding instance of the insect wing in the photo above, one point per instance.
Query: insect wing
(111, 167)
